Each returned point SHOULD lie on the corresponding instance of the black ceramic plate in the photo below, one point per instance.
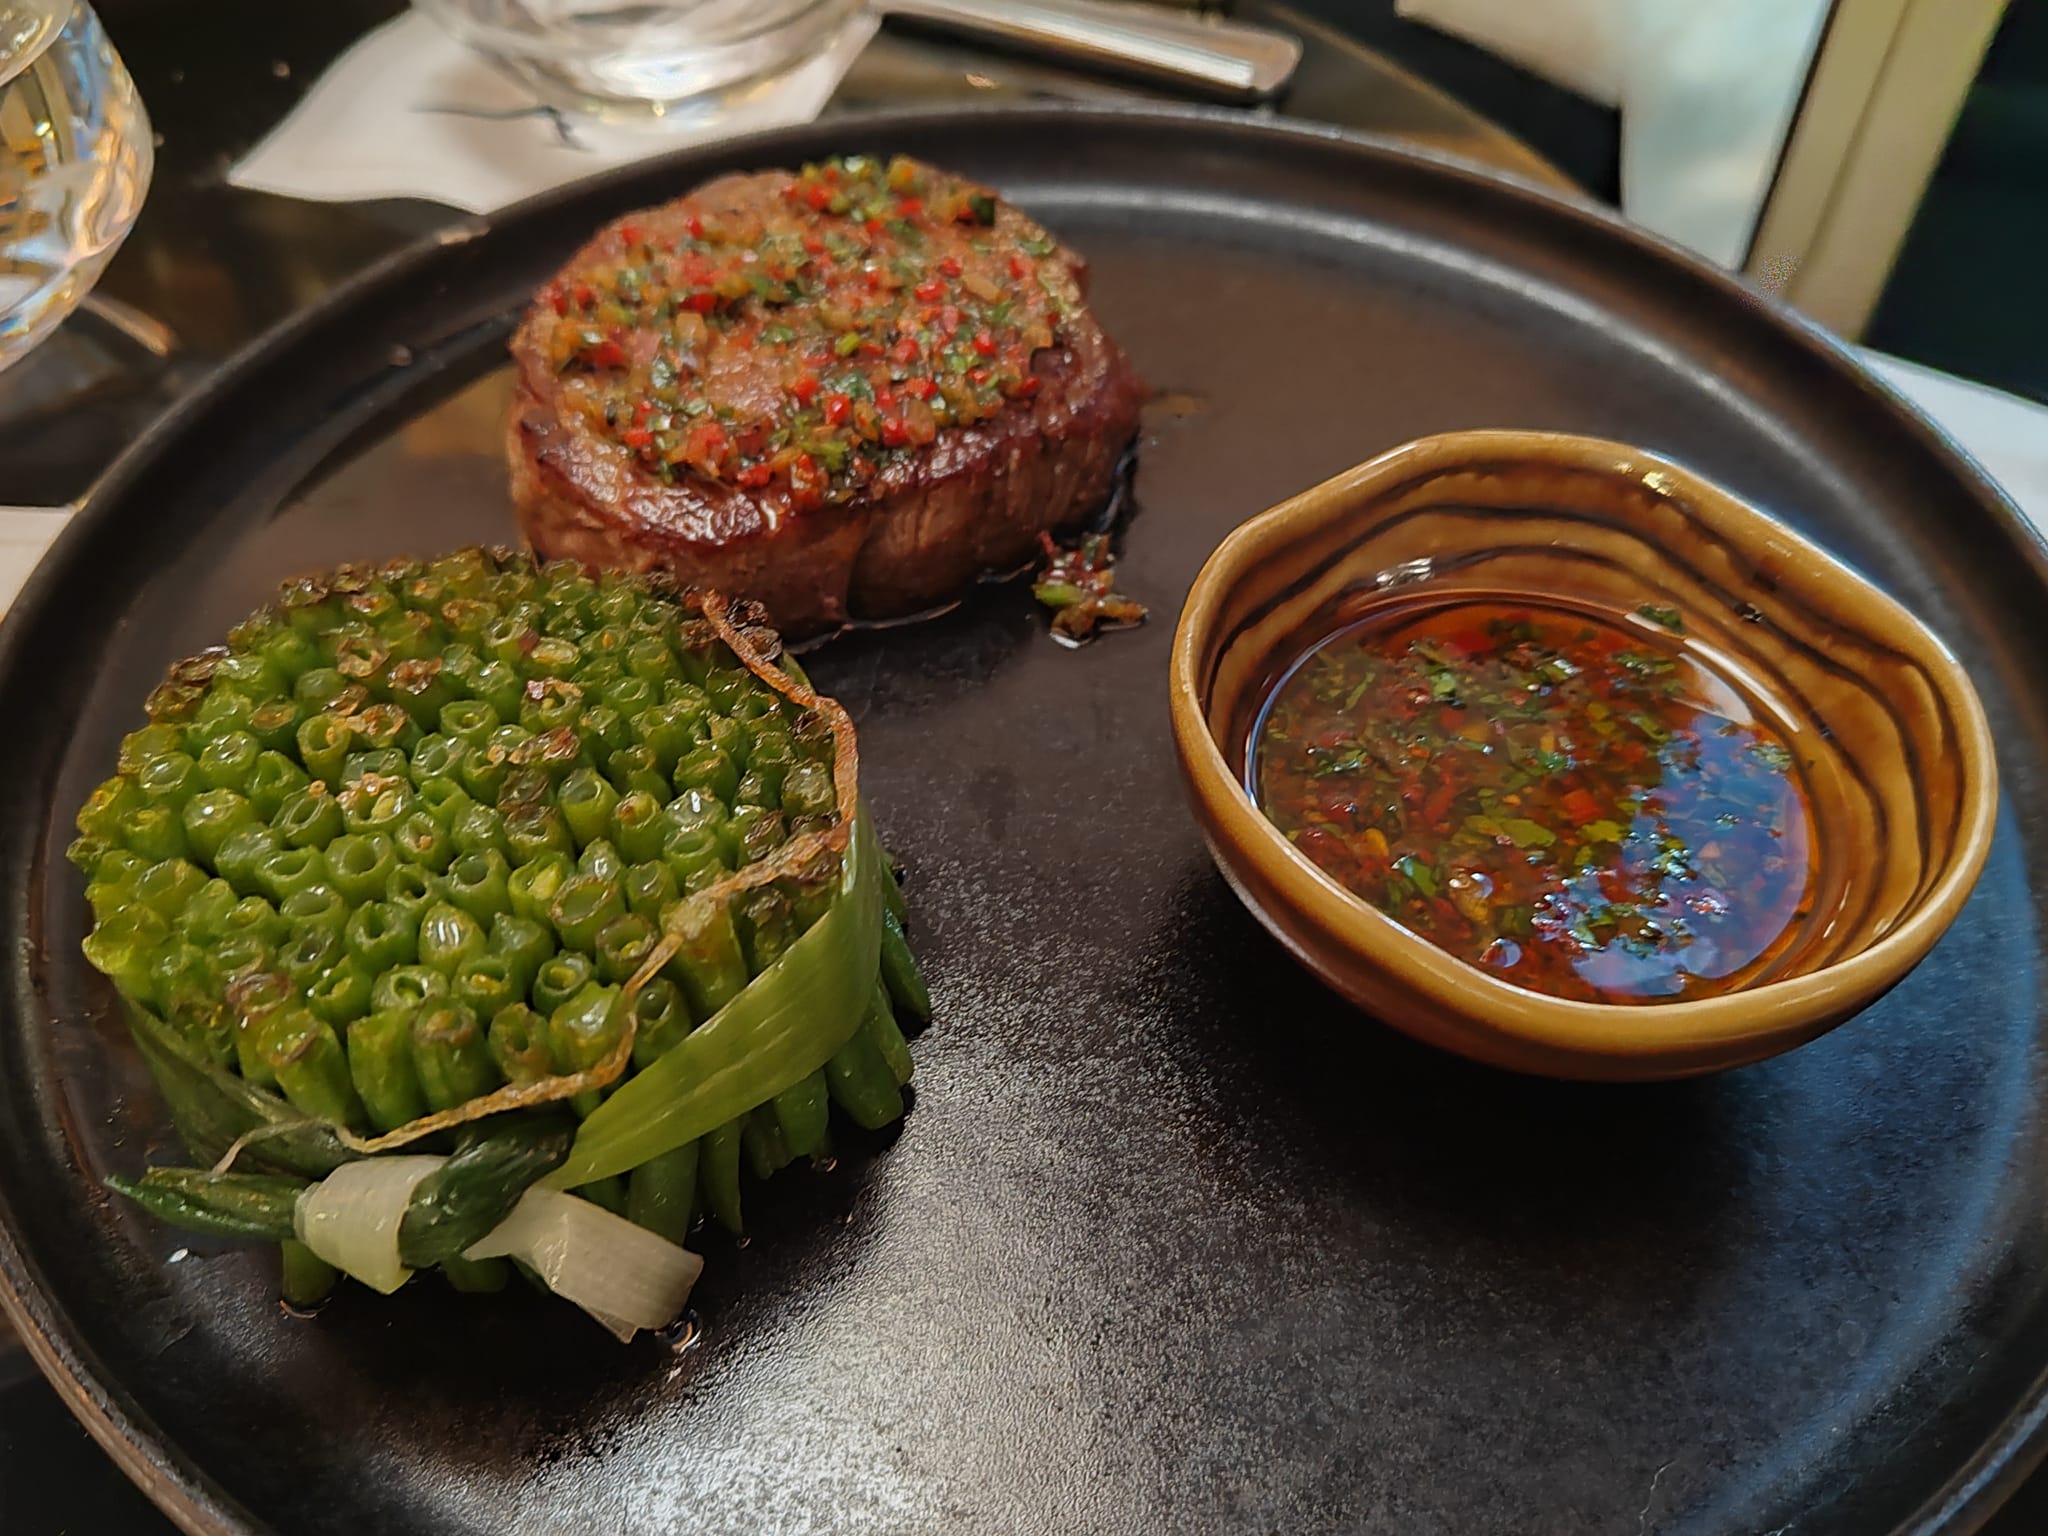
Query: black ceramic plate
(1172, 1240)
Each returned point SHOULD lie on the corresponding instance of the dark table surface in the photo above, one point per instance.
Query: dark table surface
(211, 266)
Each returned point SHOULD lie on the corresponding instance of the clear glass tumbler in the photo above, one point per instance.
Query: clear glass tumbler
(624, 60)
(75, 159)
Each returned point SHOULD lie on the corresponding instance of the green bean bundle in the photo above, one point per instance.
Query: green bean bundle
(446, 888)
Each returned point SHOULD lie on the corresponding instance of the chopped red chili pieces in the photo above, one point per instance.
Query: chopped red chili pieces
(1079, 586)
(860, 283)
(1569, 800)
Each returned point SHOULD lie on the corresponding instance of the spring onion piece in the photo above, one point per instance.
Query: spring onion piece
(622, 1275)
(351, 1217)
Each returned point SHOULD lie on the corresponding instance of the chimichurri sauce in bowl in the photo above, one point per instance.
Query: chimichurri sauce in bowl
(1574, 802)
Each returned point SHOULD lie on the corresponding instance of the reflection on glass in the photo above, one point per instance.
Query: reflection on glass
(74, 163)
(630, 59)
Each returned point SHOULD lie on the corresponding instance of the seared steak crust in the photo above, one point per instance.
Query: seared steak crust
(884, 409)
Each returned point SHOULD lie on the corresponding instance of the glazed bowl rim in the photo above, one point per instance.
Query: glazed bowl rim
(1747, 1015)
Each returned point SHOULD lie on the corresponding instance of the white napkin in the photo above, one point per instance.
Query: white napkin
(25, 534)
(410, 112)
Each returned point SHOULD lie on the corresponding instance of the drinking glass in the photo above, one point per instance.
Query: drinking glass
(639, 59)
(75, 159)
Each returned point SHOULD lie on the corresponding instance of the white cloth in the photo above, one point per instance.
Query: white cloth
(25, 533)
(1706, 90)
(409, 112)
(2007, 435)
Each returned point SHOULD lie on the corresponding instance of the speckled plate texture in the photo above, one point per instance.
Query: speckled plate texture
(1173, 1240)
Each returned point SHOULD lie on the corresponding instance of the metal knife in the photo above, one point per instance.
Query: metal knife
(1225, 58)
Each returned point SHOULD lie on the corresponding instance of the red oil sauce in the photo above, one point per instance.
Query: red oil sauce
(1576, 803)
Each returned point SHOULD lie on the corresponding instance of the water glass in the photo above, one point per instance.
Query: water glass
(624, 60)
(75, 159)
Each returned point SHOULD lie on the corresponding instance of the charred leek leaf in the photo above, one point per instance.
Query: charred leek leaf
(213, 1108)
(222, 1204)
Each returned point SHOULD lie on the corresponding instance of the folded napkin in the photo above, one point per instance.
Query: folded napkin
(410, 112)
(25, 534)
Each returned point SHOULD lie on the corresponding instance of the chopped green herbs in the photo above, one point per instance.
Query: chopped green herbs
(1539, 793)
(1524, 833)
(1079, 586)
(1422, 876)
(1773, 755)
(878, 303)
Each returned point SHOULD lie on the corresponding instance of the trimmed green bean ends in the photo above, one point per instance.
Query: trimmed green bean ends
(472, 906)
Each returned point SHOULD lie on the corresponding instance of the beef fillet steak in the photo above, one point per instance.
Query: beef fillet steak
(845, 392)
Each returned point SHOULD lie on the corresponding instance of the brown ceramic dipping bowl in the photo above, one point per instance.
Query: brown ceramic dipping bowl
(1888, 733)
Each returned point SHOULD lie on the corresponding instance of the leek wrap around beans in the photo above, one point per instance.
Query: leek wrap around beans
(538, 880)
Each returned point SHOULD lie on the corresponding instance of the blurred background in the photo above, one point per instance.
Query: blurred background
(1883, 164)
